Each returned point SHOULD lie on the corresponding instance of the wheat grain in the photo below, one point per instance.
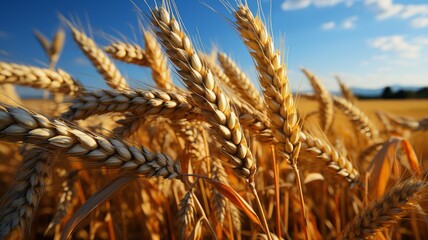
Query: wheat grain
(223, 79)
(129, 53)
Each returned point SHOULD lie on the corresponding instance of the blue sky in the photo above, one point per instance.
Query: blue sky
(368, 43)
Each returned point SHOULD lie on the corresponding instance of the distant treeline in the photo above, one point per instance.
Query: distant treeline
(388, 93)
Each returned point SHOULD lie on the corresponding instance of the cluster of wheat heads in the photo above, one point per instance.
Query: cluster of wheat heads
(216, 159)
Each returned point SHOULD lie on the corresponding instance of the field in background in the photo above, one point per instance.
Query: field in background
(406, 108)
(415, 108)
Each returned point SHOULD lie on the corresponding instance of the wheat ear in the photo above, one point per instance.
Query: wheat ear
(408, 123)
(65, 201)
(100, 60)
(54, 81)
(242, 82)
(358, 118)
(346, 92)
(326, 106)
(139, 102)
(20, 203)
(17, 124)
(380, 214)
(158, 62)
(273, 79)
(129, 53)
(186, 212)
(207, 95)
(333, 160)
(279, 101)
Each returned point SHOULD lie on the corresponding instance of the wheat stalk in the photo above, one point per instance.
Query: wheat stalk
(18, 124)
(273, 79)
(277, 95)
(358, 118)
(381, 213)
(206, 93)
(186, 212)
(65, 201)
(129, 53)
(54, 81)
(346, 92)
(333, 160)
(157, 62)
(139, 102)
(325, 101)
(100, 60)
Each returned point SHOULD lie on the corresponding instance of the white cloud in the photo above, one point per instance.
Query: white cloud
(419, 22)
(300, 4)
(349, 23)
(412, 10)
(295, 4)
(421, 40)
(387, 9)
(328, 25)
(399, 45)
(381, 77)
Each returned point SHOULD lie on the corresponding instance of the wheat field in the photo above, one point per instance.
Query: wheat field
(213, 158)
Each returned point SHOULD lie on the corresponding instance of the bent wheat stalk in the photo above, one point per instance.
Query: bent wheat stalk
(138, 102)
(17, 124)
